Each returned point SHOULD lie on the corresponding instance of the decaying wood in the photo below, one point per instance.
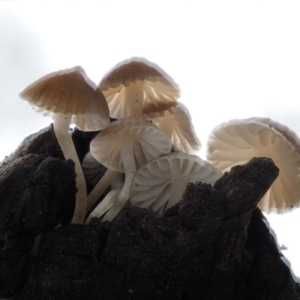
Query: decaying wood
(214, 244)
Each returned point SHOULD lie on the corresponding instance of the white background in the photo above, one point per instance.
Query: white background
(232, 59)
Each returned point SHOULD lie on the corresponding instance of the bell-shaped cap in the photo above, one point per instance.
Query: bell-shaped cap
(137, 134)
(137, 86)
(70, 92)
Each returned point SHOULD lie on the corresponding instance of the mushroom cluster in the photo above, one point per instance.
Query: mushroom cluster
(150, 124)
(146, 156)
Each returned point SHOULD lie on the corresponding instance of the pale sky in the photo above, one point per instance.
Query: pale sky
(232, 59)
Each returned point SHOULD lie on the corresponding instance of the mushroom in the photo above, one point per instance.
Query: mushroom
(177, 124)
(92, 170)
(160, 183)
(237, 141)
(70, 97)
(123, 145)
(136, 86)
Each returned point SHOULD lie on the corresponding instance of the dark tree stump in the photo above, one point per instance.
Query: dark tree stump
(214, 244)
(37, 192)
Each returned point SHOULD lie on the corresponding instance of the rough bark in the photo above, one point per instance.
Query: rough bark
(214, 244)
(37, 193)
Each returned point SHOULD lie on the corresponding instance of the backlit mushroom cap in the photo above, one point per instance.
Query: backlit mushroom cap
(120, 147)
(237, 141)
(161, 183)
(176, 122)
(137, 86)
(144, 138)
(69, 92)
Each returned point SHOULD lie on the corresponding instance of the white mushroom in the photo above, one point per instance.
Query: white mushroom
(137, 86)
(176, 122)
(160, 183)
(122, 146)
(237, 141)
(92, 170)
(70, 97)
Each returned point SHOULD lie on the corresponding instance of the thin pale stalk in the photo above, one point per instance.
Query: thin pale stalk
(130, 169)
(134, 98)
(100, 188)
(61, 125)
(104, 205)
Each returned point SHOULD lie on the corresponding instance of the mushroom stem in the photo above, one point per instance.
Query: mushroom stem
(104, 205)
(109, 199)
(100, 188)
(61, 123)
(134, 97)
(130, 169)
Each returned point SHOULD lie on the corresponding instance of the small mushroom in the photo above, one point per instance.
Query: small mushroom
(70, 97)
(92, 170)
(123, 145)
(136, 86)
(237, 141)
(160, 183)
(176, 122)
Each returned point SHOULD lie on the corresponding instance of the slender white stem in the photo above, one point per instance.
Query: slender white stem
(100, 188)
(130, 169)
(61, 123)
(104, 205)
(134, 98)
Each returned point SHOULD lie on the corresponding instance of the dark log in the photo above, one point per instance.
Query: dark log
(37, 192)
(214, 244)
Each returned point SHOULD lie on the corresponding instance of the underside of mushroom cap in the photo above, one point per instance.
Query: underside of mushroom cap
(92, 169)
(161, 183)
(176, 122)
(155, 90)
(148, 142)
(69, 92)
(237, 141)
(289, 134)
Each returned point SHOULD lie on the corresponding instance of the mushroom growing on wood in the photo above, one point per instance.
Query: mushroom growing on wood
(176, 122)
(136, 86)
(121, 146)
(237, 141)
(70, 97)
(160, 183)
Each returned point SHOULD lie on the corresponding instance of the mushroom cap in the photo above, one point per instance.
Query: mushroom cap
(160, 183)
(159, 90)
(69, 91)
(289, 134)
(176, 122)
(237, 141)
(146, 139)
